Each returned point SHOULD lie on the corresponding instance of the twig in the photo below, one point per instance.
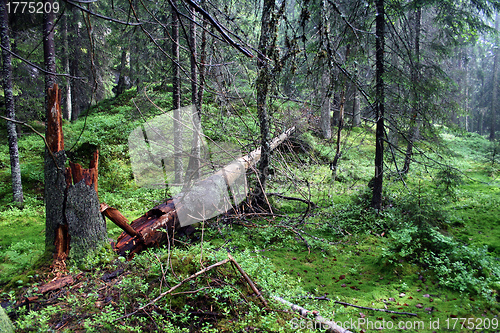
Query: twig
(247, 278)
(102, 16)
(38, 67)
(219, 28)
(332, 326)
(293, 198)
(175, 287)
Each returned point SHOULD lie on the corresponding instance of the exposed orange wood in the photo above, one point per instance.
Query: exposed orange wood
(61, 242)
(117, 218)
(57, 284)
(89, 175)
(54, 133)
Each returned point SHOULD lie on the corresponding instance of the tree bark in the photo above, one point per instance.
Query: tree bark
(49, 49)
(268, 27)
(10, 112)
(379, 106)
(121, 85)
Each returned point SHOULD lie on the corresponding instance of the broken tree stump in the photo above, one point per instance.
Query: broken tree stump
(163, 220)
(74, 225)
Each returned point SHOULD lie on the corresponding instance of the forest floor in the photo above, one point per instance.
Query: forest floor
(434, 250)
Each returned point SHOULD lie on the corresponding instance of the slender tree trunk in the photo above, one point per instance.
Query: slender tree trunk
(68, 107)
(176, 96)
(203, 59)
(15, 167)
(75, 41)
(356, 110)
(262, 87)
(326, 119)
(49, 49)
(379, 106)
(494, 97)
(415, 76)
(326, 123)
(193, 170)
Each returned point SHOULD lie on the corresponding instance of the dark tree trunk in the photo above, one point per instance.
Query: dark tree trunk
(494, 97)
(262, 87)
(15, 167)
(49, 49)
(121, 86)
(55, 180)
(176, 96)
(326, 82)
(55, 159)
(379, 107)
(415, 76)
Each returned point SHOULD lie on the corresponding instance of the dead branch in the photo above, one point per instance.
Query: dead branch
(330, 325)
(220, 263)
(247, 278)
(309, 203)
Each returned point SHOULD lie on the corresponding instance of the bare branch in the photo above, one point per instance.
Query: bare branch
(101, 16)
(39, 68)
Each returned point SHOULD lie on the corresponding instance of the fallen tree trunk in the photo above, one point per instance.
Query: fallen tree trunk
(190, 206)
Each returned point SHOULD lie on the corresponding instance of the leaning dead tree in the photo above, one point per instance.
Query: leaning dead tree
(206, 198)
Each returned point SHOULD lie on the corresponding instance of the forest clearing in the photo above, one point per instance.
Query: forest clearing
(259, 166)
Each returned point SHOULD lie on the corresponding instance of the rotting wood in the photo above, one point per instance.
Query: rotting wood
(161, 221)
(56, 284)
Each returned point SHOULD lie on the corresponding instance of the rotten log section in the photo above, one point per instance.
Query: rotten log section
(162, 221)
